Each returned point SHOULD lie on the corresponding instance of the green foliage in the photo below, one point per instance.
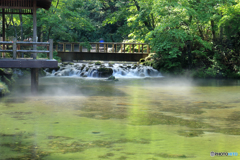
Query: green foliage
(200, 35)
(3, 88)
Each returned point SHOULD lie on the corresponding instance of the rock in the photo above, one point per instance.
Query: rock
(65, 63)
(84, 76)
(83, 66)
(51, 69)
(116, 80)
(148, 58)
(111, 78)
(104, 72)
(102, 66)
(142, 75)
(62, 69)
(129, 67)
(142, 60)
(71, 63)
(98, 63)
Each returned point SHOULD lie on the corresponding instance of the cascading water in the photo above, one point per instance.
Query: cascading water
(119, 70)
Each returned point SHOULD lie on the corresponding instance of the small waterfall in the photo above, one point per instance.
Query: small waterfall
(99, 70)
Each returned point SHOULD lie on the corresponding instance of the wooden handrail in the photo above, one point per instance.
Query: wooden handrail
(103, 46)
(15, 51)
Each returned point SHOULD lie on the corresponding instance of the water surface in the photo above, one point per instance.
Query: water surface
(142, 118)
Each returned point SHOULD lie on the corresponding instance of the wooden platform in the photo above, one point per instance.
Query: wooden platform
(28, 63)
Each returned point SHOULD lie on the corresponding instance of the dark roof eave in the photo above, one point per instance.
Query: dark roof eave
(46, 4)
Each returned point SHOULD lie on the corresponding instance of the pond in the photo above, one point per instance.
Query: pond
(133, 119)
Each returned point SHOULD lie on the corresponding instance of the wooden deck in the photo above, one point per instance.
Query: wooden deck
(28, 63)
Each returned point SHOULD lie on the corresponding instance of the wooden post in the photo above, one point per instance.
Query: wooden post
(130, 46)
(139, 48)
(142, 48)
(80, 47)
(51, 49)
(97, 48)
(107, 48)
(3, 30)
(72, 47)
(124, 48)
(34, 80)
(113, 48)
(64, 47)
(133, 49)
(14, 48)
(121, 48)
(34, 27)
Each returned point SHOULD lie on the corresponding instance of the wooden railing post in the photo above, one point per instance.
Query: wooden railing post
(64, 47)
(121, 48)
(71, 50)
(97, 47)
(133, 49)
(80, 47)
(130, 46)
(106, 48)
(124, 48)
(113, 48)
(138, 48)
(142, 48)
(51, 49)
(14, 48)
(148, 49)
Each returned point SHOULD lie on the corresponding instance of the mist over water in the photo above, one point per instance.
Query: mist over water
(155, 117)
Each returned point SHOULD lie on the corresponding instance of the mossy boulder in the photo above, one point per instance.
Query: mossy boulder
(51, 69)
(111, 78)
(65, 63)
(98, 63)
(142, 60)
(104, 72)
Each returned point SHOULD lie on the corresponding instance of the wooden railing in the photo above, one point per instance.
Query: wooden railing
(106, 47)
(15, 50)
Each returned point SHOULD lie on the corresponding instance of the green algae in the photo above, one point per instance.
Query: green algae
(20, 147)
(190, 133)
(159, 118)
(186, 110)
(165, 155)
(106, 155)
(122, 158)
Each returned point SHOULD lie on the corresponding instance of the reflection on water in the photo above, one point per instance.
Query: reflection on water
(154, 118)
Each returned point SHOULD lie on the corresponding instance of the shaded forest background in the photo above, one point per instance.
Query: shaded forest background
(197, 35)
